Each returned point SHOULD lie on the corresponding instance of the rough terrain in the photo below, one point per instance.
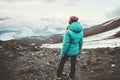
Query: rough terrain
(29, 61)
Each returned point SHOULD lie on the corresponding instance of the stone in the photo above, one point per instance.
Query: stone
(1, 47)
(98, 59)
(26, 69)
(113, 65)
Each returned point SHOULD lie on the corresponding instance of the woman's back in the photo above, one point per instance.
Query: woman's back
(73, 39)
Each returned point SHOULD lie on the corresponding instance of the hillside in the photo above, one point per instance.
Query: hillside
(106, 26)
(22, 62)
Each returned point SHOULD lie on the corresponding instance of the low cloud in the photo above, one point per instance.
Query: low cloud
(10, 1)
(114, 14)
(56, 2)
(5, 18)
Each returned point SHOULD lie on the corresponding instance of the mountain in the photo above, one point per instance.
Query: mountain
(106, 26)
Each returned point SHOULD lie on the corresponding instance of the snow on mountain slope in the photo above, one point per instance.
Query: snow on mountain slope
(100, 40)
(103, 35)
(103, 43)
(109, 22)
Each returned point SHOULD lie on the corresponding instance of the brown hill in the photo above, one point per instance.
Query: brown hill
(109, 25)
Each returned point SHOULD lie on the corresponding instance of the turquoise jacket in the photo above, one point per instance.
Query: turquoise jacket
(73, 40)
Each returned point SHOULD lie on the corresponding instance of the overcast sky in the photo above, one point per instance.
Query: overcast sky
(90, 11)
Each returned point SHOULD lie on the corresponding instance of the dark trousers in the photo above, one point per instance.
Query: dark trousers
(61, 66)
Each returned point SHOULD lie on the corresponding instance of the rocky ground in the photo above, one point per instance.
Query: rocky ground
(28, 61)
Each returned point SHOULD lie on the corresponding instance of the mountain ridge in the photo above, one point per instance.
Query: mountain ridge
(106, 26)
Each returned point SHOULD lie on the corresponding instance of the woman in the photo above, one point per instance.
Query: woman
(72, 44)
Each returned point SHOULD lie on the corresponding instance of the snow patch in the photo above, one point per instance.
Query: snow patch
(52, 45)
(102, 43)
(93, 44)
(108, 23)
(111, 21)
(103, 35)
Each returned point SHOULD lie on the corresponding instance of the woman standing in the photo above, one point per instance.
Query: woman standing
(72, 44)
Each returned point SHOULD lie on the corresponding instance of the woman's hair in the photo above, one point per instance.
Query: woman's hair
(72, 19)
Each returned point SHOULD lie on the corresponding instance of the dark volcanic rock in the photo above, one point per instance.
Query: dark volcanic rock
(117, 35)
(22, 62)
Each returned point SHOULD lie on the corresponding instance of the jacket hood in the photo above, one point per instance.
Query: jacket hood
(75, 27)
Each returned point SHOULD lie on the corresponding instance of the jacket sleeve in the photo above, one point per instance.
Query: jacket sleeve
(66, 44)
(81, 42)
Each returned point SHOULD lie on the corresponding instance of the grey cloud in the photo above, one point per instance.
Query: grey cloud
(2, 19)
(28, 0)
(69, 2)
(49, 0)
(13, 0)
(114, 14)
